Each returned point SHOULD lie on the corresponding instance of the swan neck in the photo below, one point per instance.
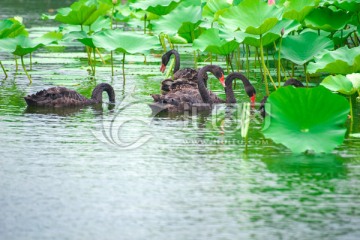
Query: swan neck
(96, 96)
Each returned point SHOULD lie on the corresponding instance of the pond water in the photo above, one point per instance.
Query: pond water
(118, 173)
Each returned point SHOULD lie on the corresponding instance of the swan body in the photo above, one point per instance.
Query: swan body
(188, 76)
(64, 97)
(186, 96)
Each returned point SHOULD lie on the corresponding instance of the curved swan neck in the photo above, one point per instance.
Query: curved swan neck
(249, 88)
(217, 71)
(177, 59)
(96, 95)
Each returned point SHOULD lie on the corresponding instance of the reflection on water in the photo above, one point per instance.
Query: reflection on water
(325, 166)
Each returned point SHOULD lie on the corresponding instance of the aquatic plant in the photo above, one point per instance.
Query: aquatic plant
(317, 123)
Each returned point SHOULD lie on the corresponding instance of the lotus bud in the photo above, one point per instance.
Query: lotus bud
(282, 31)
(114, 2)
(271, 2)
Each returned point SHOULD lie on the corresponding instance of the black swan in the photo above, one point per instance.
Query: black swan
(64, 97)
(291, 82)
(184, 98)
(249, 88)
(186, 76)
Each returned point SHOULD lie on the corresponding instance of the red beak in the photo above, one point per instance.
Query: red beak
(222, 80)
(252, 100)
(162, 68)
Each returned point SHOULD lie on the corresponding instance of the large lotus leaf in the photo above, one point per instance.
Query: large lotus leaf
(83, 12)
(315, 124)
(126, 42)
(348, 5)
(251, 16)
(8, 45)
(158, 7)
(298, 10)
(10, 28)
(100, 24)
(302, 48)
(24, 45)
(181, 17)
(268, 38)
(214, 8)
(341, 61)
(338, 83)
(327, 20)
(210, 41)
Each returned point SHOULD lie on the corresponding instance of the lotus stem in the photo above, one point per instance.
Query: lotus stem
(94, 54)
(264, 66)
(26, 72)
(351, 112)
(16, 65)
(247, 61)
(2, 66)
(279, 63)
(112, 63)
(145, 17)
(123, 68)
(356, 39)
(99, 53)
(30, 61)
(306, 76)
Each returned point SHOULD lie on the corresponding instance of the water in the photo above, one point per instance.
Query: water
(100, 173)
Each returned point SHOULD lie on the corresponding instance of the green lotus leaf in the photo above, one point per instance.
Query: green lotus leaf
(158, 7)
(254, 17)
(100, 24)
(10, 28)
(327, 20)
(341, 61)
(269, 37)
(126, 42)
(22, 45)
(181, 19)
(338, 83)
(355, 80)
(214, 8)
(298, 10)
(348, 5)
(8, 45)
(302, 48)
(315, 124)
(83, 12)
(210, 41)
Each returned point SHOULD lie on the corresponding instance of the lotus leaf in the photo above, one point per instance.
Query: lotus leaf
(10, 28)
(158, 7)
(22, 45)
(214, 8)
(269, 37)
(126, 42)
(302, 48)
(183, 19)
(83, 12)
(327, 20)
(341, 61)
(317, 123)
(210, 41)
(338, 83)
(254, 17)
(298, 10)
